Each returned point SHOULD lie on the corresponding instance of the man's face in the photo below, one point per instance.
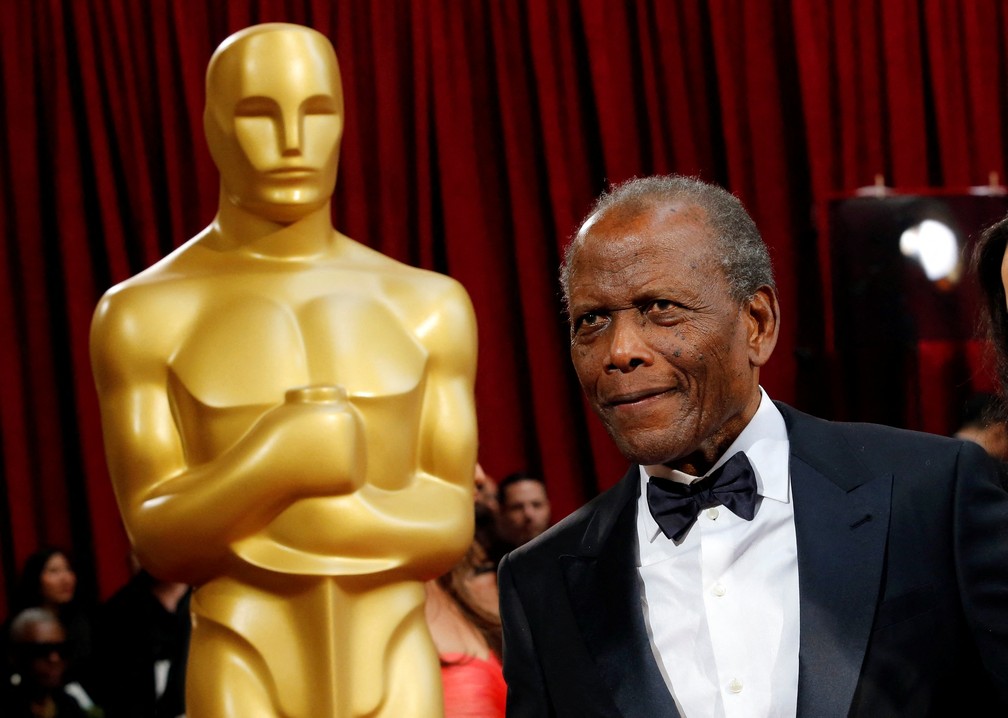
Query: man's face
(667, 358)
(39, 654)
(525, 512)
(274, 121)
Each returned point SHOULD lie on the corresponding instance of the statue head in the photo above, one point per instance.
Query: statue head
(274, 119)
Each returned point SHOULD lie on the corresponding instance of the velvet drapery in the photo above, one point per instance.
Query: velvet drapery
(477, 134)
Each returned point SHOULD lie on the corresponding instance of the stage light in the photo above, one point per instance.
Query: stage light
(902, 324)
(935, 246)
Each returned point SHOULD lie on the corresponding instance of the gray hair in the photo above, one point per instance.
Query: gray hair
(744, 256)
(29, 617)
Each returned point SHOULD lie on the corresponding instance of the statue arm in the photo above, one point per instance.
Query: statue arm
(448, 424)
(182, 519)
(433, 518)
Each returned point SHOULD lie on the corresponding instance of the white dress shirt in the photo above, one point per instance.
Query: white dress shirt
(722, 606)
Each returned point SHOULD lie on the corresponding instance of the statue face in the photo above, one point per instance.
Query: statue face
(274, 120)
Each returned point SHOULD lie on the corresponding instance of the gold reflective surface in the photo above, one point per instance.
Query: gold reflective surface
(288, 415)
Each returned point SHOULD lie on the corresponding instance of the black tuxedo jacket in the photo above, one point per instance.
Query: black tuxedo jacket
(903, 579)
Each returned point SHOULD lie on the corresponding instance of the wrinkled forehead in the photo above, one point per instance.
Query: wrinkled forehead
(645, 214)
(625, 233)
(624, 256)
(282, 64)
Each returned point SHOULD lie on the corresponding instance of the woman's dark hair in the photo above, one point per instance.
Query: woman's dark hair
(988, 255)
(29, 589)
(454, 584)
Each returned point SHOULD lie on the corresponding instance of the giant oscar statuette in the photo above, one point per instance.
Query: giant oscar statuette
(288, 415)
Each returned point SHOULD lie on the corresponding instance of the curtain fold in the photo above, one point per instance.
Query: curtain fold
(477, 135)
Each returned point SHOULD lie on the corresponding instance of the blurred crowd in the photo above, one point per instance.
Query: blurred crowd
(462, 608)
(123, 658)
(126, 656)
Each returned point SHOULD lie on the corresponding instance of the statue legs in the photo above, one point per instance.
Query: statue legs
(298, 646)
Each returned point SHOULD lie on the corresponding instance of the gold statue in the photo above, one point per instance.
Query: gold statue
(289, 417)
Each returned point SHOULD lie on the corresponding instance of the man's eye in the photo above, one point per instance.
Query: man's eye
(661, 311)
(588, 322)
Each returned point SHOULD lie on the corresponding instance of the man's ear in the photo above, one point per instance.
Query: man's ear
(763, 315)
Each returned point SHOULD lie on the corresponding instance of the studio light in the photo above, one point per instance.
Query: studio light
(935, 246)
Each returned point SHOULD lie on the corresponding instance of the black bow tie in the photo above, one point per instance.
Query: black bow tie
(675, 506)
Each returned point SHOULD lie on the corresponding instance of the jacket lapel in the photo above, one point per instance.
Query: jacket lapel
(603, 589)
(841, 522)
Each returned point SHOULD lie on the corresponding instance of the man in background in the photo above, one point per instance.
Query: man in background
(36, 686)
(524, 508)
(141, 646)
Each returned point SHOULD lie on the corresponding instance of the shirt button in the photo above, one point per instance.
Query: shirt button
(712, 514)
(719, 590)
(735, 686)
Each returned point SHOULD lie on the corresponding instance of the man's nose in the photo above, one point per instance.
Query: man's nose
(628, 346)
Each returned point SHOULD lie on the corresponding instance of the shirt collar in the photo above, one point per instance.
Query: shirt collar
(764, 441)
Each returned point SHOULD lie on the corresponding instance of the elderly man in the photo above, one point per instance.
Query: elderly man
(754, 561)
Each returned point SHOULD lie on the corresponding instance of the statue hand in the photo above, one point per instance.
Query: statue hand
(315, 441)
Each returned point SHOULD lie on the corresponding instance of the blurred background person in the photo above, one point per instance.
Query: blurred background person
(141, 642)
(463, 619)
(487, 532)
(988, 263)
(485, 492)
(987, 260)
(48, 580)
(36, 686)
(983, 422)
(524, 509)
(486, 510)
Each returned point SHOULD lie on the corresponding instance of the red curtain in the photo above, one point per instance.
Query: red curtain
(478, 132)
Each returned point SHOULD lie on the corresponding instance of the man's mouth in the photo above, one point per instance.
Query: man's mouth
(635, 397)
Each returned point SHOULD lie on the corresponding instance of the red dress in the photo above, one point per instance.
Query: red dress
(473, 687)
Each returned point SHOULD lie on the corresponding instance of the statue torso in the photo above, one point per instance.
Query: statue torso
(246, 338)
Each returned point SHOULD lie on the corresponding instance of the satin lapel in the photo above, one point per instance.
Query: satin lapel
(841, 522)
(602, 586)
